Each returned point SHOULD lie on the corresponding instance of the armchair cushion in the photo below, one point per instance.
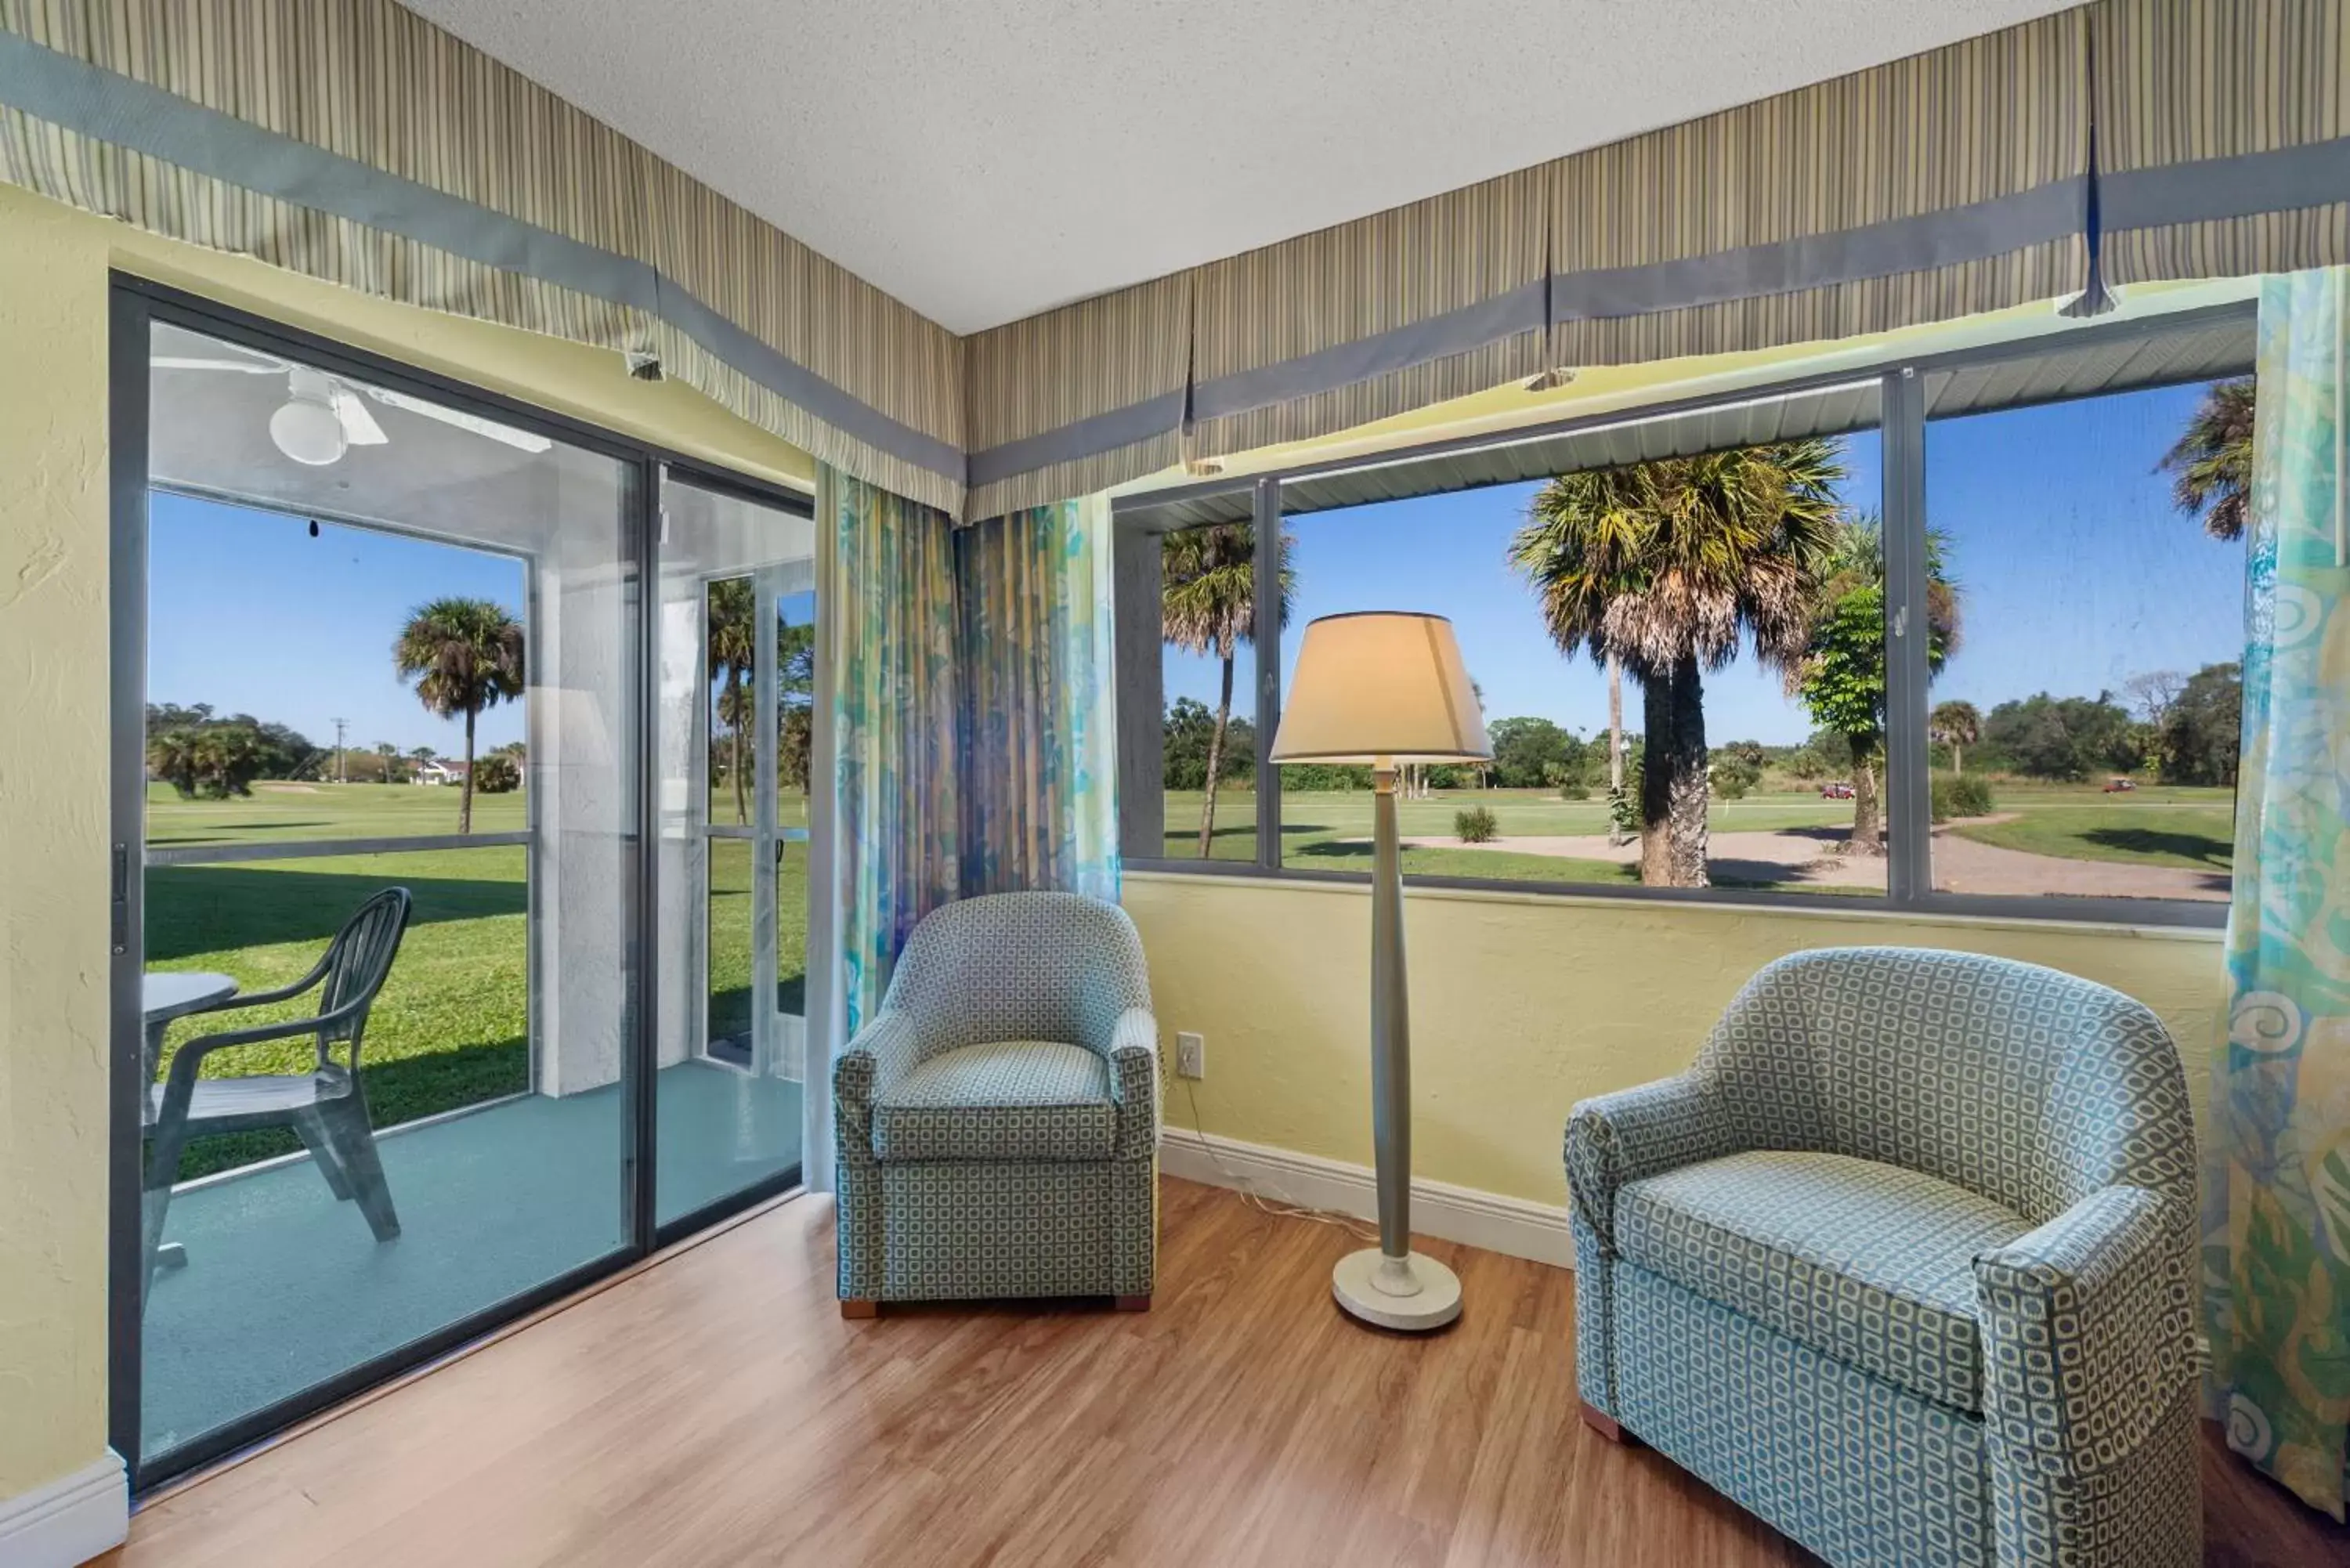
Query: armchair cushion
(1013, 1100)
(1870, 1263)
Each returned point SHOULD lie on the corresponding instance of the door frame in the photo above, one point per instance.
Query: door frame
(135, 304)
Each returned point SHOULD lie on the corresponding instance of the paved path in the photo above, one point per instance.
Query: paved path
(1809, 856)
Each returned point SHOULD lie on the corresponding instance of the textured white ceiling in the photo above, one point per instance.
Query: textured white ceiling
(987, 158)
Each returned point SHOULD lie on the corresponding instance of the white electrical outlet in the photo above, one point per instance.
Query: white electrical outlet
(1190, 1056)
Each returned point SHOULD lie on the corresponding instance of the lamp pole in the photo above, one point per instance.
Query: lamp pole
(1392, 1287)
(1391, 1030)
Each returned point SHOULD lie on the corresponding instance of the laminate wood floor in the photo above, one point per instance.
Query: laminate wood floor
(713, 1408)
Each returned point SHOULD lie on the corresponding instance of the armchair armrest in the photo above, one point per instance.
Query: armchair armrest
(1134, 1082)
(180, 1081)
(238, 1000)
(884, 1051)
(1612, 1139)
(2088, 1328)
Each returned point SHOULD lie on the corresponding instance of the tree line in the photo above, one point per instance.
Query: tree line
(461, 655)
(205, 754)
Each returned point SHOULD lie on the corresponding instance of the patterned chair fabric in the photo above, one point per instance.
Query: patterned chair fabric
(997, 1121)
(1019, 1099)
(1903, 1263)
(1866, 1262)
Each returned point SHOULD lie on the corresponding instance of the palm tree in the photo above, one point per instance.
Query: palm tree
(2213, 460)
(228, 755)
(1666, 566)
(1208, 604)
(1957, 726)
(464, 655)
(176, 757)
(734, 662)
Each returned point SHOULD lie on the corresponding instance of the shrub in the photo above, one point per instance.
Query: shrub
(1961, 794)
(1623, 809)
(1732, 774)
(1475, 825)
(496, 774)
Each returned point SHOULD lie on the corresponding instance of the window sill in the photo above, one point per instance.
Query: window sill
(2172, 922)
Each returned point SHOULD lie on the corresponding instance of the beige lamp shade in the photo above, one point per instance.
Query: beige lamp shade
(1383, 686)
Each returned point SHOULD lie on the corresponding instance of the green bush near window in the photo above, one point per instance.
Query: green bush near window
(1962, 794)
(1475, 825)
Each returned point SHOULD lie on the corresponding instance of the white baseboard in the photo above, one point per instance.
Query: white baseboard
(70, 1520)
(1514, 1226)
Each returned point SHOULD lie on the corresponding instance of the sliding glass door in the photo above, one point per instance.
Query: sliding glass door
(736, 705)
(461, 887)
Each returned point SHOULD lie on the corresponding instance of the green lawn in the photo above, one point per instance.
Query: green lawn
(1331, 829)
(730, 934)
(2153, 826)
(2167, 826)
(300, 811)
(451, 1026)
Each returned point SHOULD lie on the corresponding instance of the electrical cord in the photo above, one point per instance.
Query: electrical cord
(1280, 1205)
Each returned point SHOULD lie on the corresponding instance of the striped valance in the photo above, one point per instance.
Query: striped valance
(355, 142)
(1407, 307)
(1946, 184)
(801, 346)
(1078, 399)
(2223, 137)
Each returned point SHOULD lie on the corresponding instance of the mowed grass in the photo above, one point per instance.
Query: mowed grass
(450, 1027)
(1331, 830)
(2191, 828)
(288, 812)
(730, 934)
(2153, 825)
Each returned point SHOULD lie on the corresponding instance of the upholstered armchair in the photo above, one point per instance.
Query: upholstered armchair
(998, 1120)
(1905, 1264)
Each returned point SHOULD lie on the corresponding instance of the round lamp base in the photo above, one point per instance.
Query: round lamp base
(1412, 1294)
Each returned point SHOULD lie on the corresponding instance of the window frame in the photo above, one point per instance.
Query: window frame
(1140, 518)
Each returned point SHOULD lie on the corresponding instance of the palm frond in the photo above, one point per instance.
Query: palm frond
(2212, 459)
(463, 655)
(1684, 557)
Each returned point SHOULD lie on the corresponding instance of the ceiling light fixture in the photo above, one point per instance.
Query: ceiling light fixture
(306, 426)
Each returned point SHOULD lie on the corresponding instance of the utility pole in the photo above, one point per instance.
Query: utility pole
(342, 769)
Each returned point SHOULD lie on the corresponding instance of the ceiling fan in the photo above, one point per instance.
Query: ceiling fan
(322, 417)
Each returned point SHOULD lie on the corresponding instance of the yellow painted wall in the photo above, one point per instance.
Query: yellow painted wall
(53, 723)
(1523, 1003)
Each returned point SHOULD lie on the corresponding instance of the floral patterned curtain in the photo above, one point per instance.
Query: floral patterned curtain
(2277, 1192)
(1039, 759)
(897, 708)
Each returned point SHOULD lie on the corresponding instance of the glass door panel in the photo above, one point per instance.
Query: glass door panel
(392, 655)
(737, 616)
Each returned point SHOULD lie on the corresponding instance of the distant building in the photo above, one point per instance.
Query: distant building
(437, 771)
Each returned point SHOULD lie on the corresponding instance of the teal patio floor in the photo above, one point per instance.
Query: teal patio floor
(285, 1287)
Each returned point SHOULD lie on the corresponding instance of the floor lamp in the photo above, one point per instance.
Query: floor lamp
(1386, 688)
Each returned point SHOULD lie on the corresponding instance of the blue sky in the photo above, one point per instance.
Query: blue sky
(2075, 572)
(250, 614)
